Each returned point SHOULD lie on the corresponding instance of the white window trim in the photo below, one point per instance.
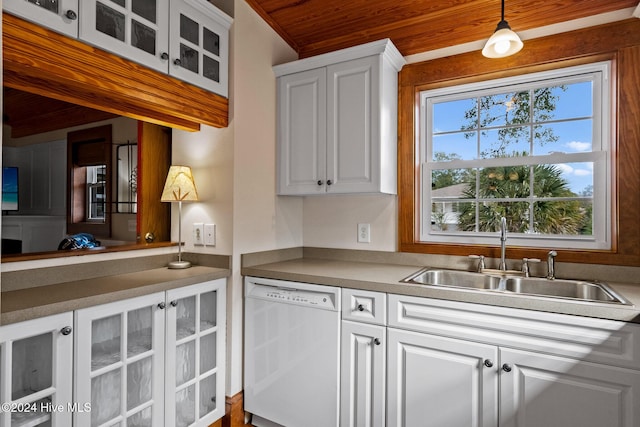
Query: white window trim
(600, 156)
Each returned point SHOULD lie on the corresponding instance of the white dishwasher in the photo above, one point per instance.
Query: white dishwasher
(292, 353)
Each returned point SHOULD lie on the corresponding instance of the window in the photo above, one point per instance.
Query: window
(533, 148)
(96, 183)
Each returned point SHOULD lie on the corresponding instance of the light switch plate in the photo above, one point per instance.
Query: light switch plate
(198, 234)
(210, 234)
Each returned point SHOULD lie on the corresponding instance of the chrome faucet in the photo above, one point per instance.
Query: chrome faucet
(551, 265)
(503, 244)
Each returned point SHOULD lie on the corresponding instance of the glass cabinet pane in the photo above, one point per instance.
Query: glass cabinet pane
(139, 331)
(145, 9)
(208, 310)
(50, 5)
(105, 397)
(110, 21)
(32, 368)
(143, 37)
(141, 419)
(139, 379)
(207, 352)
(105, 341)
(185, 406)
(185, 317)
(185, 362)
(207, 395)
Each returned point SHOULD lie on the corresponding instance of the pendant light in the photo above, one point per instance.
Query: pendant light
(503, 42)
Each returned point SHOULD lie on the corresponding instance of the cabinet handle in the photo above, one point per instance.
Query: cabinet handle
(329, 182)
(162, 305)
(376, 341)
(173, 303)
(319, 182)
(360, 307)
(66, 330)
(164, 56)
(177, 61)
(70, 14)
(488, 363)
(506, 367)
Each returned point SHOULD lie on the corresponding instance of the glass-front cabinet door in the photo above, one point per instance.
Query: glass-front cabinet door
(199, 44)
(195, 356)
(135, 29)
(119, 356)
(57, 15)
(35, 372)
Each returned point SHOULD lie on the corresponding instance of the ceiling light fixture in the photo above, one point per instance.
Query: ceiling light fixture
(503, 42)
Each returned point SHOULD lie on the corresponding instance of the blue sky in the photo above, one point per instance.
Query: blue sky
(574, 135)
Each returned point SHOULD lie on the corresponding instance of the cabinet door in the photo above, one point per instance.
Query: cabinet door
(195, 357)
(302, 132)
(353, 139)
(362, 383)
(58, 15)
(551, 391)
(36, 364)
(119, 355)
(199, 45)
(135, 29)
(438, 381)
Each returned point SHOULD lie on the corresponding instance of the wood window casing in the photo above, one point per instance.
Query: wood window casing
(618, 42)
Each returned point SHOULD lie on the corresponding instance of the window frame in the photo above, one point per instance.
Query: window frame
(599, 73)
(619, 42)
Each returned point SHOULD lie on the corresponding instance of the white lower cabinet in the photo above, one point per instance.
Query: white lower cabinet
(458, 364)
(439, 381)
(363, 359)
(154, 360)
(35, 371)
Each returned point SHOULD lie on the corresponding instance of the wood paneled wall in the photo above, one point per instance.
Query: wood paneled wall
(619, 42)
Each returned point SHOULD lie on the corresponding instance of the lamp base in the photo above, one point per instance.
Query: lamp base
(178, 264)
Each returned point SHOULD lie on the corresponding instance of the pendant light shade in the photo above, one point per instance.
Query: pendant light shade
(503, 42)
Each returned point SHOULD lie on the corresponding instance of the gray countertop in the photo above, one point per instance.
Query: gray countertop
(386, 277)
(29, 303)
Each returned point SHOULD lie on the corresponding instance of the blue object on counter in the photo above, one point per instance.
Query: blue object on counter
(78, 241)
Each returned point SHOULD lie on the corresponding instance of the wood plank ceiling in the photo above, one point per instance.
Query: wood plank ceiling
(313, 27)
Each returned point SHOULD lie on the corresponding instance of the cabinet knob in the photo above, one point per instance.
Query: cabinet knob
(319, 182)
(173, 303)
(177, 61)
(488, 363)
(66, 330)
(360, 307)
(506, 367)
(162, 306)
(329, 182)
(376, 341)
(164, 56)
(70, 14)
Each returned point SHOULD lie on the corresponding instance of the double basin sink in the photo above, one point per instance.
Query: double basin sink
(498, 281)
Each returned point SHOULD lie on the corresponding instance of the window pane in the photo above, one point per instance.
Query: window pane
(563, 179)
(504, 109)
(563, 137)
(507, 141)
(446, 215)
(451, 182)
(455, 146)
(504, 182)
(455, 115)
(564, 217)
(563, 102)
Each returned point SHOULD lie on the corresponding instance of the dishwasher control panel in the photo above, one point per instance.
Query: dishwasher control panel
(312, 298)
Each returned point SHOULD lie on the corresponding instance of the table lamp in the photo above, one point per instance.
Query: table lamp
(179, 187)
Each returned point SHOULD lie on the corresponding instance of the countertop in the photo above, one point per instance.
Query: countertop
(386, 277)
(34, 302)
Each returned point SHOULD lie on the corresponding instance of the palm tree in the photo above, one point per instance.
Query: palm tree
(513, 182)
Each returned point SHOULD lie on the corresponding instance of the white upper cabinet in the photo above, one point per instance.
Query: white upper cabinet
(59, 15)
(136, 29)
(337, 121)
(188, 39)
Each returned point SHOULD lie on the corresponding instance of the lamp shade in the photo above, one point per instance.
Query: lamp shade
(503, 42)
(179, 186)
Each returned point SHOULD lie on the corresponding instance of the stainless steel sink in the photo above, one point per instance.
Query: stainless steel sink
(559, 288)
